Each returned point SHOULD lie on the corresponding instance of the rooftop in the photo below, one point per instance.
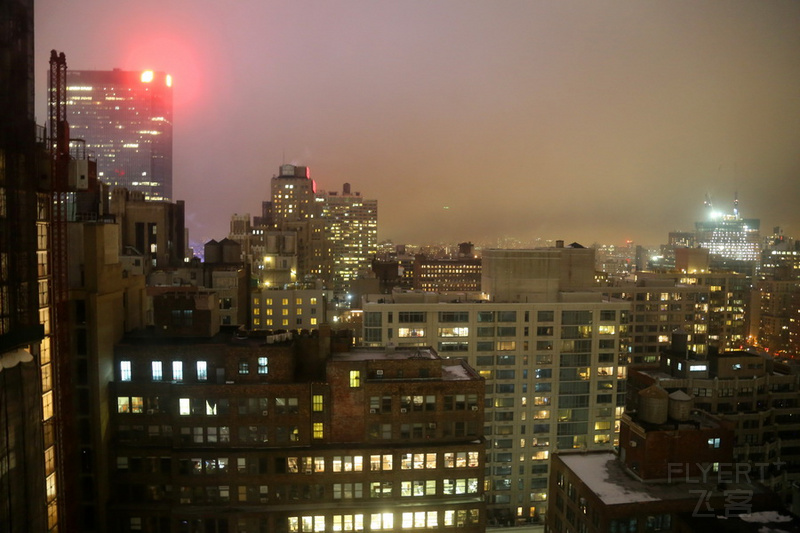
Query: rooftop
(604, 475)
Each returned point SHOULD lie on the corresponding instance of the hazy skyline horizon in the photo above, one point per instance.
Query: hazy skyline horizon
(590, 122)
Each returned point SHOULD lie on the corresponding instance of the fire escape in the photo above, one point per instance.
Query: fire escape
(65, 437)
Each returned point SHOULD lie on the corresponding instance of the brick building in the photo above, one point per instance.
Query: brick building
(279, 434)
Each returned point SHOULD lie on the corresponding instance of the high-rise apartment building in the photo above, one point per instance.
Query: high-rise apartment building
(125, 118)
(351, 228)
(294, 209)
(658, 307)
(549, 349)
(727, 304)
(335, 234)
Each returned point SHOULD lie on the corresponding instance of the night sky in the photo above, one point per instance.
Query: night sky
(589, 121)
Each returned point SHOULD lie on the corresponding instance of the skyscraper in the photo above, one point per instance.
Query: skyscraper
(351, 224)
(733, 241)
(125, 118)
(336, 233)
(29, 486)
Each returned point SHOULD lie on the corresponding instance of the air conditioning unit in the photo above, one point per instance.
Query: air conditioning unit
(264, 413)
(431, 425)
(403, 410)
(373, 411)
(379, 373)
(633, 444)
(474, 407)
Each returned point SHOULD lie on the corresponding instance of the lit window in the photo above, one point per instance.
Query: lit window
(355, 378)
(125, 370)
(244, 367)
(157, 371)
(263, 365)
(714, 442)
(177, 370)
(184, 406)
(123, 404)
(317, 403)
(202, 371)
(318, 430)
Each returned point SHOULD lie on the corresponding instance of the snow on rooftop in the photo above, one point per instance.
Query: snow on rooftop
(455, 372)
(595, 471)
(765, 517)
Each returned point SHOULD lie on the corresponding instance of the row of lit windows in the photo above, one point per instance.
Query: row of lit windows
(429, 520)
(283, 322)
(568, 332)
(284, 312)
(268, 302)
(201, 368)
(218, 406)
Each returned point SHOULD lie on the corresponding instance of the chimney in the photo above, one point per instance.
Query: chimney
(346, 189)
(559, 244)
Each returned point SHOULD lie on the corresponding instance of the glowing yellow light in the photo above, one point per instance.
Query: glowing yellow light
(147, 76)
(169, 80)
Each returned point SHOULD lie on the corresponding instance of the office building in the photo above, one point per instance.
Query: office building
(125, 119)
(734, 242)
(216, 431)
(447, 275)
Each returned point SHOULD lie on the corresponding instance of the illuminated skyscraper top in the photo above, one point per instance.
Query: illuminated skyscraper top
(126, 120)
(730, 236)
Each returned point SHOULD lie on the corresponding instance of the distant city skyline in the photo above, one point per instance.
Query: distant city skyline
(583, 121)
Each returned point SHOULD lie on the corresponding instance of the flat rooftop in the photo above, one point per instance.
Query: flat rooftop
(604, 475)
(452, 369)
